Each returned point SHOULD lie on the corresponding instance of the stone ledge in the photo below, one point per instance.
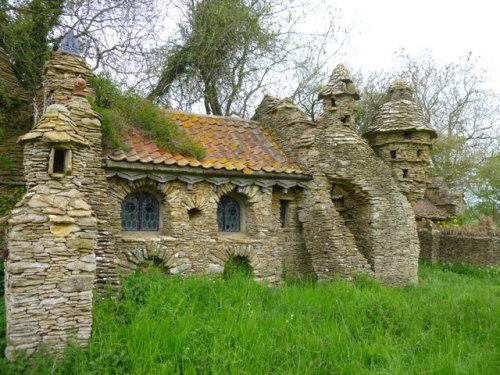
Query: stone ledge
(146, 237)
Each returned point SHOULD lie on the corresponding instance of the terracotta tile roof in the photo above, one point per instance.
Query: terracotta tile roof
(425, 209)
(229, 143)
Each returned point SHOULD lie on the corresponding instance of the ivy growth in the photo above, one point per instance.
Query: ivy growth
(122, 112)
(7, 202)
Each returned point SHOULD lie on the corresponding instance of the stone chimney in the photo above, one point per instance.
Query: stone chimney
(338, 99)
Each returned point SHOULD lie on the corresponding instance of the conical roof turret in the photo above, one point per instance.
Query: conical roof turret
(340, 83)
(399, 112)
(56, 126)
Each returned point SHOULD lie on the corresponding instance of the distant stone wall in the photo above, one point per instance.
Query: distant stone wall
(447, 245)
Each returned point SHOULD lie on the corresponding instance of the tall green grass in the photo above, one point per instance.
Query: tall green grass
(448, 324)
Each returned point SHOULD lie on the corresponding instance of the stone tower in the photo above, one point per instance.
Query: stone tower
(338, 98)
(401, 137)
(61, 71)
(51, 237)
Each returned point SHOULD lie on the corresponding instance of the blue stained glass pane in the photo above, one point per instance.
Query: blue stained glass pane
(228, 215)
(140, 211)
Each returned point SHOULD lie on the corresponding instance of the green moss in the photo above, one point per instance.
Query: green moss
(123, 112)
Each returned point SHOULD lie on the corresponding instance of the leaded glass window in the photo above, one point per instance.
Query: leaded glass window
(140, 211)
(228, 215)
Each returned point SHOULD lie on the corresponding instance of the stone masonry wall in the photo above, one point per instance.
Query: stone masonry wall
(452, 246)
(94, 186)
(401, 154)
(297, 262)
(192, 244)
(49, 270)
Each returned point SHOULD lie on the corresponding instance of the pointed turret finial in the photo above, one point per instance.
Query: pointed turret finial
(70, 44)
(399, 90)
(340, 83)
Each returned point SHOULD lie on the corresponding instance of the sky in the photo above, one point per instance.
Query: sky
(449, 28)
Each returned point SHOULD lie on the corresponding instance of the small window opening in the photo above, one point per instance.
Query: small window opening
(333, 102)
(405, 173)
(59, 161)
(338, 197)
(283, 212)
(407, 135)
(419, 153)
(194, 213)
(393, 154)
(345, 119)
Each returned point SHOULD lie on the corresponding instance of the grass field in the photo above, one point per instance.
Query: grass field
(448, 324)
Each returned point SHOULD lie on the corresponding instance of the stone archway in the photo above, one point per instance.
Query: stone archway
(156, 253)
(352, 203)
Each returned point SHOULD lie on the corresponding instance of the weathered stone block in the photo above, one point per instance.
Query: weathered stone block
(77, 283)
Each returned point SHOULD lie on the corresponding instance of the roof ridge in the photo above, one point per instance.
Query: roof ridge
(212, 116)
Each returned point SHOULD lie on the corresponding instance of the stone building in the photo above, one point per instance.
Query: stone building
(291, 197)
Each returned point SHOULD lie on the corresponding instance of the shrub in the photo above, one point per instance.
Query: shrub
(121, 112)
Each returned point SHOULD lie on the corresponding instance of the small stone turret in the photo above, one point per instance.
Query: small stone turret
(401, 137)
(51, 236)
(338, 98)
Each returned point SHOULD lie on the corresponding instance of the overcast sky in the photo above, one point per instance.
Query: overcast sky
(449, 28)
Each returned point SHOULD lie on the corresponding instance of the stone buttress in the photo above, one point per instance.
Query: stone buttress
(51, 236)
(353, 215)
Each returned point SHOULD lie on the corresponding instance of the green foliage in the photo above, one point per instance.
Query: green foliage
(172, 325)
(25, 33)
(486, 189)
(121, 112)
(237, 266)
(220, 46)
(453, 222)
(6, 162)
(8, 201)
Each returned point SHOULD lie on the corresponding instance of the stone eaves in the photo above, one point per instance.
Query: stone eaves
(56, 126)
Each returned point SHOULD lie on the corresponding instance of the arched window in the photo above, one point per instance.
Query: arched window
(140, 211)
(228, 215)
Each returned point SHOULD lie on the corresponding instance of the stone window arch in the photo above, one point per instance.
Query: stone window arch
(140, 212)
(229, 215)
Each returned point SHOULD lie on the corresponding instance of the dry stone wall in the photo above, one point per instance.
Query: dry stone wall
(457, 245)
